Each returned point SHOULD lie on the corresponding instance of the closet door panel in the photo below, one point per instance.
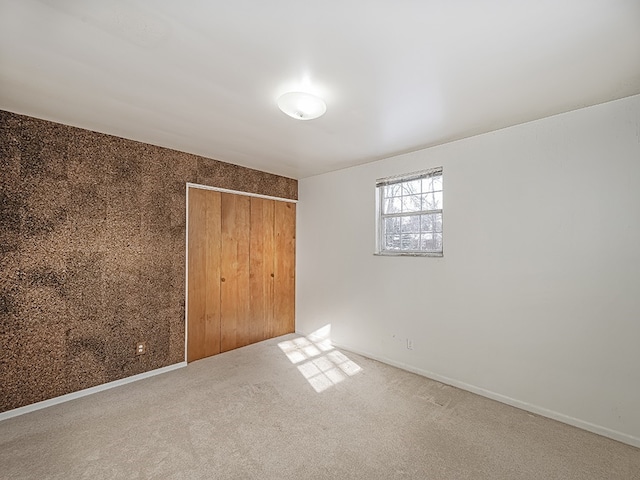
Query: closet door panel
(284, 269)
(261, 269)
(235, 328)
(203, 329)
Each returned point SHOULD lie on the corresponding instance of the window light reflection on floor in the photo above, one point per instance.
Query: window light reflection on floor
(318, 361)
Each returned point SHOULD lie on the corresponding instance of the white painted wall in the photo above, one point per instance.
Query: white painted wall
(536, 301)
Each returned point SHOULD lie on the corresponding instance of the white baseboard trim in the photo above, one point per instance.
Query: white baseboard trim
(88, 391)
(575, 422)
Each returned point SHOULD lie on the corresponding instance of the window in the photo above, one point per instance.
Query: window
(409, 214)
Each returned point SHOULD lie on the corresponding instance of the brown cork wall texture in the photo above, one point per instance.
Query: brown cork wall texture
(92, 254)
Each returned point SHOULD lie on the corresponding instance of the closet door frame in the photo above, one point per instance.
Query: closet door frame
(186, 274)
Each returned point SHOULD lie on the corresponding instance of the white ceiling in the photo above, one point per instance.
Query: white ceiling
(202, 76)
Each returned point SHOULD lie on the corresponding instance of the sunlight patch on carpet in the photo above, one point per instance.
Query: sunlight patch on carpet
(318, 361)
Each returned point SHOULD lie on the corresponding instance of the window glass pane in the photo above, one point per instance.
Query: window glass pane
(392, 205)
(411, 241)
(394, 190)
(392, 225)
(426, 237)
(432, 201)
(428, 242)
(431, 242)
(432, 222)
(432, 184)
(411, 203)
(438, 242)
(438, 199)
(410, 224)
(392, 242)
(411, 188)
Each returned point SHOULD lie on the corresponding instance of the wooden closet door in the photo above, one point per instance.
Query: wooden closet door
(203, 316)
(241, 271)
(284, 269)
(261, 269)
(235, 322)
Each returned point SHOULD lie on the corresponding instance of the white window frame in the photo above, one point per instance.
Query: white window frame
(380, 215)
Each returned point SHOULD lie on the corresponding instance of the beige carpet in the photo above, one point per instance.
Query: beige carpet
(289, 408)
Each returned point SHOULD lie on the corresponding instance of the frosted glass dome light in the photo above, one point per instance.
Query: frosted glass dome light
(301, 105)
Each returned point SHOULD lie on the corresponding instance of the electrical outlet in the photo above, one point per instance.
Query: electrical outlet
(141, 348)
(409, 344)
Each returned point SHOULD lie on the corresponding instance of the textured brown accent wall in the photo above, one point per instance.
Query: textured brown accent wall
(92, 254)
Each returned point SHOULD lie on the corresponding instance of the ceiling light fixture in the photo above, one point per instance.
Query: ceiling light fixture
(301, 105)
